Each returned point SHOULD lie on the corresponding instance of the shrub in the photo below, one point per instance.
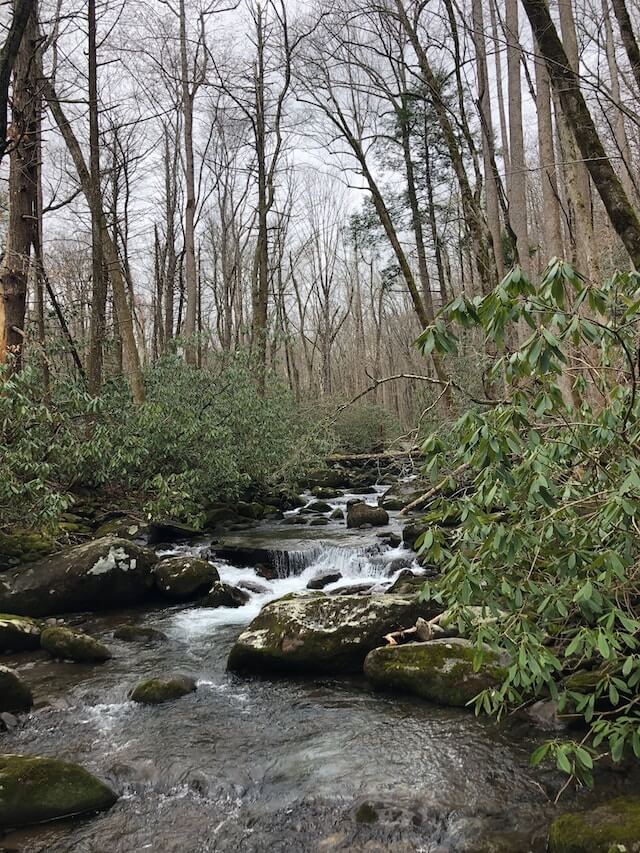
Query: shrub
(545, 532)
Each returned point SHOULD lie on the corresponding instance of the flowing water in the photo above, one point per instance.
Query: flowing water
(270, 765)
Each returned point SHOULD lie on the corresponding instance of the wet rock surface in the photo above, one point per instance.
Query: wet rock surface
(71, 645)
(15, 694)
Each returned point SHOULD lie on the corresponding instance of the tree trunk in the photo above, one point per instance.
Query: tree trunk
(621, 213)
(22, 197)
(125, 321)
(550, 200)
(190, 270)
(628, 37)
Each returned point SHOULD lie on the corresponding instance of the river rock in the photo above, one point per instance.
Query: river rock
(224, 595)
(18, 633)
(97, 575)
(319, 521)
(318, 506)
(154, 691)
(14, 693)
(412, 532)
(407, 583)
(361, 513)
(613, 826)
(183, 578)
(440, 670)
(337, 514)
(170, 531)
(34, 790)
(254, 587)
(138, 633)
(325, 493)
(313, 633)
(322, 579)
(71, 645)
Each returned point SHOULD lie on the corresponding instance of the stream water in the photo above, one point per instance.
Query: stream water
(270, 765)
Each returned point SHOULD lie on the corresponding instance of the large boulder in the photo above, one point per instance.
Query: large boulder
(97, 575)
(18, 633)
(441, 670)
(33, 790)
(170, 531)
(612, 826)
(154, 691)
(362, 513)
(183, 578)
(70, 645)
(14, 693)
(313, 633)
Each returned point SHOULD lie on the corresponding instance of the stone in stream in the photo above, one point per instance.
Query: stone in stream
(407, 582)
(183, 578)
(361, 513)
(320, 521)
(412, 532)
(325, 493)
(138, 633)
(337, 514)
(97, 575)
(254, 587)
(15, 695)
(608, 828)
(223, 595)
(70, 645)
(318, 506)
(322, 579)
(313, 633)
(18, 633)
(34, 790)
(154, 691)
(440, 670)
(170, 531)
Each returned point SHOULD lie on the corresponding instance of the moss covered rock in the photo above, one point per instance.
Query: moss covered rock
(97, 575)
(154, 691)
(314, 633)
(325, 493)
(441, 670)
(18, 633)
(22, 546)
(138, 633)
(123, 528)
(70, 645)
(184, 578)
(33, 790)
(223, 595)
(613, 827)
(412, 532)
(362, 513)
(14, 693)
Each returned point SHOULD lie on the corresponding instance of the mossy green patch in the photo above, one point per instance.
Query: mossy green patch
(154, 691)
(34, 790)
(440, 670)
(70, 645)
(184, 578)
(612, 826)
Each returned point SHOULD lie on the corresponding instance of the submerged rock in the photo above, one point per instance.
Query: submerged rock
(362, 513)
(33, 790)
(70, 645)
(184, 578)
(14, 693)
(223, 595)
(97, 575)
(440, 670)
(138, 633)
(611, 827)
(18, 633)
(313, 633)
(154, 691)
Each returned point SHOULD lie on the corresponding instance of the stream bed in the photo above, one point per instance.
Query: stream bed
(262, 764)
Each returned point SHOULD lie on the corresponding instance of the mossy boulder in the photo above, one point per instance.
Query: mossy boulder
(441, 670)
(71, 645)
(97, 575)
(23, 546)
(154, 691)
(123, 528)
(224, 595)
(168, 530)
(609, 828)
(18, 633)
(34, 790)
(313, 633)
(361, 513)
(325, 493)
(184, 578)
(318, 506)
(14, 693)
(139, 634)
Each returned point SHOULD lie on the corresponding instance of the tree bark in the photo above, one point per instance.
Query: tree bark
(23, 205)
(22, 9)
(628, 37)
(621, 213)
